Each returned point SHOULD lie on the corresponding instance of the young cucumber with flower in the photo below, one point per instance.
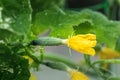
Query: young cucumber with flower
(83, 43)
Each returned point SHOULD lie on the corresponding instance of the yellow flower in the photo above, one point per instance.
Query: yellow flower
(107, 53)
(82, 43)
(29, 59)
(76, 75)
(32, 77)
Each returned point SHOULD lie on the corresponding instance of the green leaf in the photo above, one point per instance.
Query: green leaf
(83, 27)
(15, 16)
(4, 49)
(12, 66)
(41, 5)
(106, 31)
(114, 78)
(50, 19)
(96, 17)
(9, 36)
(60, 22)
(117, 47)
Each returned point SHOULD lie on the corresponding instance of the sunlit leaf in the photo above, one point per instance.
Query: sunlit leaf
(60, 23)
(16, 16)
(106, 31)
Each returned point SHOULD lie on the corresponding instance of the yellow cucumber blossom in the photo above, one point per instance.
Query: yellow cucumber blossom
(29, 59)
(76, 75)
(107, 53)
(32, 77)
(82, 43)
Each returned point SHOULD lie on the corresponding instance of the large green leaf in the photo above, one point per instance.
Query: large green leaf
(60, 22)
(41, 5)
(15, 16)
(106, 31)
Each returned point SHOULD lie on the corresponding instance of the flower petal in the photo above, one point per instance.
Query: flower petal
(83, 43)
(32, 77)
(107, 53)
(29, 59)
(76, 75)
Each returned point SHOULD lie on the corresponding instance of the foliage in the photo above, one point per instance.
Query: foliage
(15, 23)
(14, 67)
(21, 21)
(64, 24)
(15, 18)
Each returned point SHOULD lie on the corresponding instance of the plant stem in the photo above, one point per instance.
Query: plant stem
(57, 58)
(42, 53)
(97, 70)
(87, 59)
(117, 61)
